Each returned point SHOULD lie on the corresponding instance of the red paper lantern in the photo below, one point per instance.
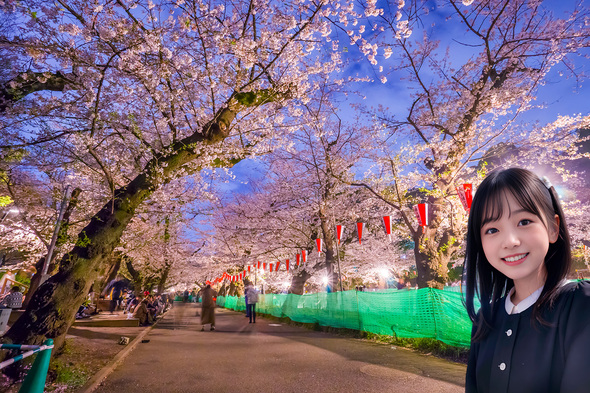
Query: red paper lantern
(319, 243)
(338, 233)
(303, 256)
(278, 265)
(387, 224)
(264, 266)
(270, 266)
(287, 264)
(258, 264)
(360, 226)
(421, 211)
(248, 268)
(297, 257)
(465, 195)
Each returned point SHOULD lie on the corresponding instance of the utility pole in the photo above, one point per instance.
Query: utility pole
(64, 203)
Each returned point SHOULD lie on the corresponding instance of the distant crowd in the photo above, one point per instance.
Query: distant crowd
(144, 306)
(147, 308)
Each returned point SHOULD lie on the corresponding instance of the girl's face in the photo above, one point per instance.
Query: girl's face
(516, 245)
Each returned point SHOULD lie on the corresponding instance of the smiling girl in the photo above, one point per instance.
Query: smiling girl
(532, 332)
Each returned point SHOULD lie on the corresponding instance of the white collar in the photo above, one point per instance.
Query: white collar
(523, 305)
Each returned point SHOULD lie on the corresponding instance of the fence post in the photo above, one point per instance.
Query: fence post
(35, 380)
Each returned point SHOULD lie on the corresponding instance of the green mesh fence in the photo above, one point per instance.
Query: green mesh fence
(424, 312)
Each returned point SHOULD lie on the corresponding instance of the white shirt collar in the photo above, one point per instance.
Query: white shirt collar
(523, 305)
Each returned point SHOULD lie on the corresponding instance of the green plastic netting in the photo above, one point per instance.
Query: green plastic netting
(424, 312)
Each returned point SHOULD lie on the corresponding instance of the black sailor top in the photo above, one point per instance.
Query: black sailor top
(521, 356)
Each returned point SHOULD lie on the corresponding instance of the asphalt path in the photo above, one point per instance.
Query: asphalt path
(270, 357)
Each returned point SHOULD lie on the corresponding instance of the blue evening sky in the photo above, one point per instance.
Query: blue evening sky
(562, 96)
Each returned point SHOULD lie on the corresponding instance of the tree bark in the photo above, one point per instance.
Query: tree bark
(329, 242)
(163, 278)
(111, 273)
(135, 277)
(298, 282)
(52, 308)
(427, 269)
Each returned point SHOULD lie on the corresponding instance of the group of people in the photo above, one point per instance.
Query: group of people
(147, 308)
(144, 306)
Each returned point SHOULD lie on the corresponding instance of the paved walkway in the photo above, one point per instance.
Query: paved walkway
(270, 357)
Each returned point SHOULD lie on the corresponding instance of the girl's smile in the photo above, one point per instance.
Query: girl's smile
(514, 260)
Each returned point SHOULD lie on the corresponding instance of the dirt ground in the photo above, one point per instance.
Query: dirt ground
(86, 351)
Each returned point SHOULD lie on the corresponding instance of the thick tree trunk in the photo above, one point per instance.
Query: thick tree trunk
(111, 273)
(52, 308)
(136, 278)
(298, 282)
(163, 278)
(330, 263)
(434, 248)
(431, 260)
(223, 290)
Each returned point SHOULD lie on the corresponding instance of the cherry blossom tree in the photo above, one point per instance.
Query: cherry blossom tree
(298, 200)
(464, 98)
(129, 96)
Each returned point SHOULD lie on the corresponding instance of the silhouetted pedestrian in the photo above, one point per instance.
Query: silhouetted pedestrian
(208, 296)
(252, 296)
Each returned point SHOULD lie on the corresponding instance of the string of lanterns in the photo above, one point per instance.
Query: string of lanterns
(420, 210)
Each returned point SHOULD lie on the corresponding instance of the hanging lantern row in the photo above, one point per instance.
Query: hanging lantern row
(272, 267)
(421, 211)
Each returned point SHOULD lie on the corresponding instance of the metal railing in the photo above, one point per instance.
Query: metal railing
(35, 380)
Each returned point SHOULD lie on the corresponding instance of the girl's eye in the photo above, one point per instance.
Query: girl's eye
(524, 222)
(490, 231)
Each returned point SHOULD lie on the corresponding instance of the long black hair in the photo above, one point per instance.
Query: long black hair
(480, 278)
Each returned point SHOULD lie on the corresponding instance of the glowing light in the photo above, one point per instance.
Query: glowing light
(325, 280)
(384, 273)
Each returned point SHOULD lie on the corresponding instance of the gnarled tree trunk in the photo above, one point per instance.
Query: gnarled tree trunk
(298, 281)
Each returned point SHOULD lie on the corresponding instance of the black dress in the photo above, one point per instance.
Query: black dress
(524, 357)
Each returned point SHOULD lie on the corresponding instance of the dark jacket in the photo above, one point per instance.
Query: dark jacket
(521, 356)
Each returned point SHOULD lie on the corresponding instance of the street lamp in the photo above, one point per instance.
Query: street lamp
(13, 210)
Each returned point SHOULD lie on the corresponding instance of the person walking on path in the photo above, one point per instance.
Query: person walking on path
(208, 298)
(248, 284)
(252, 299)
